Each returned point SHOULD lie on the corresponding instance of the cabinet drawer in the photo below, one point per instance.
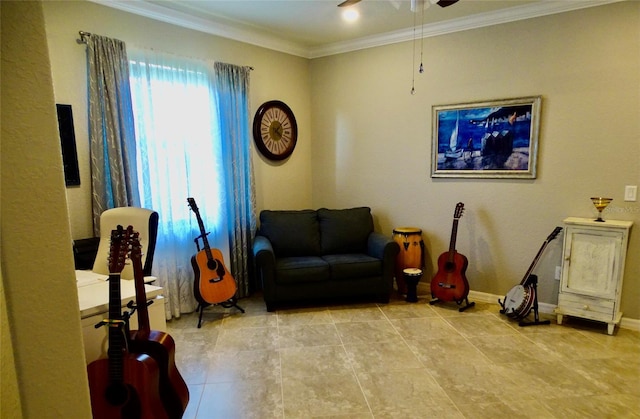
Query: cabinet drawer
(584, 306)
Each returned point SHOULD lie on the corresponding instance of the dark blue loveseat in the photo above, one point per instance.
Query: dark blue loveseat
(322, 255)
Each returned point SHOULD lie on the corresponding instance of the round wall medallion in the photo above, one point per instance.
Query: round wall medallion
(275, 130)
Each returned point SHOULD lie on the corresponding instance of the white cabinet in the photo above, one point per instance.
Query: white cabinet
(93, 299)
(96, 340)
(592, 270)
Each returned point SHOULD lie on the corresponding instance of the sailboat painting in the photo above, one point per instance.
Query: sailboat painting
(492, 139)
(454, 152)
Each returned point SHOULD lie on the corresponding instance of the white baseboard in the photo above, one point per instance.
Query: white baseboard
(632, 324)
(483, 297)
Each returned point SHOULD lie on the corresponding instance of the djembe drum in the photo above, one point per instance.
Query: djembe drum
(412, 277)
(411, 253)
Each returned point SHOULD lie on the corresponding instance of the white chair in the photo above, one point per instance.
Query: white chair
(144, 221)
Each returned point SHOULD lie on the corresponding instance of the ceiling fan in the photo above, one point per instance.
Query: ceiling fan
(414, 3)
(415, 6)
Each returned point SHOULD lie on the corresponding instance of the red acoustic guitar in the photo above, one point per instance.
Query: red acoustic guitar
(450, 282)
(124, 385)
(159, 345)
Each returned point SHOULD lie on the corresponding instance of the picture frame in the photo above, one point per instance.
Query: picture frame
(489, 139)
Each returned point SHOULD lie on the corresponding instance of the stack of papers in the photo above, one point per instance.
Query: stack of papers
(84, 278)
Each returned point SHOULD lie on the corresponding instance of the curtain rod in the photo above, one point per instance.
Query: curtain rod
(84, 35)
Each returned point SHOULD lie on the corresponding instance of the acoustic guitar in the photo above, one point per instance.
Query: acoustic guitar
(520, 299)
(159, 345)
(124, 385)
(213, 281)
(450, 282)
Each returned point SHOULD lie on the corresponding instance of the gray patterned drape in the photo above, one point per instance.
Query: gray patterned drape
(232, 84)
(111, 127)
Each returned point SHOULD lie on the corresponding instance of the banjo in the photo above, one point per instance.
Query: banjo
(519, 300)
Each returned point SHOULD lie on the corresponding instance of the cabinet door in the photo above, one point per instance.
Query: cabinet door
(592, 259)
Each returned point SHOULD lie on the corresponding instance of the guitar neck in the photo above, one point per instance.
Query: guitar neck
(116, 327)
(452, 242)
(203, 234)
(144, 328)
(537, 258)
(114, 297)
(534, 263)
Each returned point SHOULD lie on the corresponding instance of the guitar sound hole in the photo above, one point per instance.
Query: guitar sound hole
(117, 394)
(449, 266)
(125, 396)
(212, 264)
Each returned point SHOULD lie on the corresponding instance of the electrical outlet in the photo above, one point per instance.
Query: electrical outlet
(558, 272)
(630, 193)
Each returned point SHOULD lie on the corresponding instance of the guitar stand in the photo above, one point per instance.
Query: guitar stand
(202, 305)
(461, 309)
(198, 238)
(226, 304)
(533, 279)
(133, 307)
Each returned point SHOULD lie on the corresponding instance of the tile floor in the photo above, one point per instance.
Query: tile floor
(402, 360)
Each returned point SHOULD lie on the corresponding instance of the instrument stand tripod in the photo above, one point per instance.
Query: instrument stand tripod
(533, 281)
(232, 302)
(461, 309)
(226, 304)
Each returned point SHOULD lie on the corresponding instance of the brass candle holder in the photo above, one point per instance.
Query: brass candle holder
(600, 204)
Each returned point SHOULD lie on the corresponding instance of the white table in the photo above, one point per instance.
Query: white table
(93, 297)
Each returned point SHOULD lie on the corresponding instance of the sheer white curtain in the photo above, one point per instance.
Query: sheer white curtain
(179, 156)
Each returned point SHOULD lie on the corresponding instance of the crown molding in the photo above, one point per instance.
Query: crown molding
(498, 17)
(250, 35)
(235, 31)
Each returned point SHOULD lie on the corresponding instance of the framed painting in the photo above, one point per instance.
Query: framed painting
(491, 139)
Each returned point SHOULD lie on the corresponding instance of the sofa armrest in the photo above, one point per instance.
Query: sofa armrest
(263, 252)
(265, 260)
(385, 249)
(382, 247)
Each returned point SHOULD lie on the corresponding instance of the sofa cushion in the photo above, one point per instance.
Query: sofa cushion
(291, 233)
(296, 270)
(345, 230)
(354, 265)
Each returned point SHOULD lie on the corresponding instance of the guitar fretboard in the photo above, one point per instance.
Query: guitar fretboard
(452, 242)
(115, 323)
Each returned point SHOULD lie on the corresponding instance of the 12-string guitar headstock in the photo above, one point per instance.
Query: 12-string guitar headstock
(119, 248)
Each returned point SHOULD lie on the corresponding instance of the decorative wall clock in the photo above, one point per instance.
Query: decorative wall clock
(275, 130)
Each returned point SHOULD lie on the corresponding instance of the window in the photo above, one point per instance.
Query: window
(178, 156)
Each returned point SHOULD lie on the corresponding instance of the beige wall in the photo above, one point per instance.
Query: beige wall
(43, 365)
(275, 76)
(372, 138)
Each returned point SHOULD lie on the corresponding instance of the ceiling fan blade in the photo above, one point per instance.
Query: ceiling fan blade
(445, 3)
(348, 3)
